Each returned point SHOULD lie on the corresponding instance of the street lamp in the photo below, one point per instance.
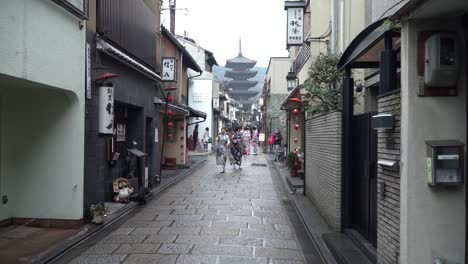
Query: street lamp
(291, 80)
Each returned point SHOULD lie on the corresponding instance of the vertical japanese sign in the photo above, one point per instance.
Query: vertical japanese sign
(168, 72)
(88, 71)
(295, 20)
(106, 109)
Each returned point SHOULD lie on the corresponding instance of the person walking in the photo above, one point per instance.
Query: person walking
(195, 137)
(246, 137)
(237, 148)
(255, 140)
(278, 139)
(206, 138)
(222, 144)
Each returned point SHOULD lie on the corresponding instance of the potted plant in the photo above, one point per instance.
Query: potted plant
(98, 211)
(293, 163)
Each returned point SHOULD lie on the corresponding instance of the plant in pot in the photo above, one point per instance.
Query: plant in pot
(98, 211)
(294, 163)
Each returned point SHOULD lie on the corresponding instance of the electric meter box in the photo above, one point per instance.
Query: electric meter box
(444, 162)
(442, 60)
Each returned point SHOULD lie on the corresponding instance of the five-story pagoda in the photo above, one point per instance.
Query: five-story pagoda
(240, 73)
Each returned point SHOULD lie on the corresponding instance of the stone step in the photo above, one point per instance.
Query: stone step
(344, 249)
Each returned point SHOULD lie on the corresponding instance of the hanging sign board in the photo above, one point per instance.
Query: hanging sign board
(168, 69)
(295, 33)
(88, 71)
(106, 109)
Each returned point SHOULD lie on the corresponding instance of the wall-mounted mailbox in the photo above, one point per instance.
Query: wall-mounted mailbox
(383, 121)
(444, 162)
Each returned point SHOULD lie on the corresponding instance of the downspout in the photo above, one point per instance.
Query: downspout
(342, 24)
(333, 25)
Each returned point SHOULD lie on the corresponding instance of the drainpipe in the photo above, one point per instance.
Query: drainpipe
(333, 25)
(342, 24)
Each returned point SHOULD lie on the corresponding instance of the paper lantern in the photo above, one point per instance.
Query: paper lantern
(295, 140)
(170, 99)
(181, 145)
(181, 138)
(182, 127)
(296, 112)
(296, 126)
(170, 125)
(170, 112)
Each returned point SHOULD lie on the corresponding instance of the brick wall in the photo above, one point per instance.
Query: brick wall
(323, 166)
(388, 184)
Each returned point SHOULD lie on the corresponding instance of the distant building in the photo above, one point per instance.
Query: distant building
(240, 72)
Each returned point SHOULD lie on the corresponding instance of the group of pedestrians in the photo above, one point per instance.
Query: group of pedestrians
(233, 145)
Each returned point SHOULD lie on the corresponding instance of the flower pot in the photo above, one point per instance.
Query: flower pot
(98, 219)
(293, 173)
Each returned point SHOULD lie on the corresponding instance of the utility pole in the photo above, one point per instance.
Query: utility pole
(172, 8)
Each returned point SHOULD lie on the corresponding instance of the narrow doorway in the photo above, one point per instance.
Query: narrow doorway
(364, 178)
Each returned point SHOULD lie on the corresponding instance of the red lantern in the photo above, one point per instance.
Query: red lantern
(170, 112)
(181, 127)
(181, 145)
(296, 126)
(296, 112)
(181, 138)
(170, 125)
(170, 99)
(295, 140)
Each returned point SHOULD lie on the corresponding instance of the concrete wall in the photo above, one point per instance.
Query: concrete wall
(276, 73)
(41, 43)
(432, 221)
(323, 166)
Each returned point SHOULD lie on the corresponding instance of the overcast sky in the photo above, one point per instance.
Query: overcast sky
(216, 25)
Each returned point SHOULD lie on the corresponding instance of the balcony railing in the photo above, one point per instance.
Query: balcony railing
(302, 56)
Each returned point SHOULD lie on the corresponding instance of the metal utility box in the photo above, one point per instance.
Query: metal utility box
(444, 162)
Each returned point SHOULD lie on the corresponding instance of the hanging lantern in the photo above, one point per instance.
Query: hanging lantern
(170, 112)
(181, 145)
(296, 112)
(170, 99)
(295, 140)
(170, 136)
(170, 125)
(296, 126)
(181, 138)
(181, 127)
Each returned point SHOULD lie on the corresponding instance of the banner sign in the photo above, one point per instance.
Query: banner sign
(168, 69)
(295, 35)
(106, 109)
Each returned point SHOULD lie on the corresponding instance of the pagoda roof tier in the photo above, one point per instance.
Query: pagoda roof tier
(241, 84)
(240, 62)
(241, 93)
(240, 75)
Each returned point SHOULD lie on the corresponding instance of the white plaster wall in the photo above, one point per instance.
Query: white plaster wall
(205, 87)
(43, 126)
(432, 222)
(43, 43)
(385, 8)
(277, 71)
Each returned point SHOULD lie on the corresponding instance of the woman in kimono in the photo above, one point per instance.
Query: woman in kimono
(255, 140)
(246, 137)
(222, 143)
(237, 148)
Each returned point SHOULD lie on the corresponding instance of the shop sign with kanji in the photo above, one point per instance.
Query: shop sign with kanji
(168, 66)
(295, 20)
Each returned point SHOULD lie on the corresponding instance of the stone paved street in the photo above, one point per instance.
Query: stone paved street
(208, 217)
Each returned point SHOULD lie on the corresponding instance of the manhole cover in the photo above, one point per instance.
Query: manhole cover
(258, 164)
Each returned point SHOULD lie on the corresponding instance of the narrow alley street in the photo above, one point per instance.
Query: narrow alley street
(208, 217)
